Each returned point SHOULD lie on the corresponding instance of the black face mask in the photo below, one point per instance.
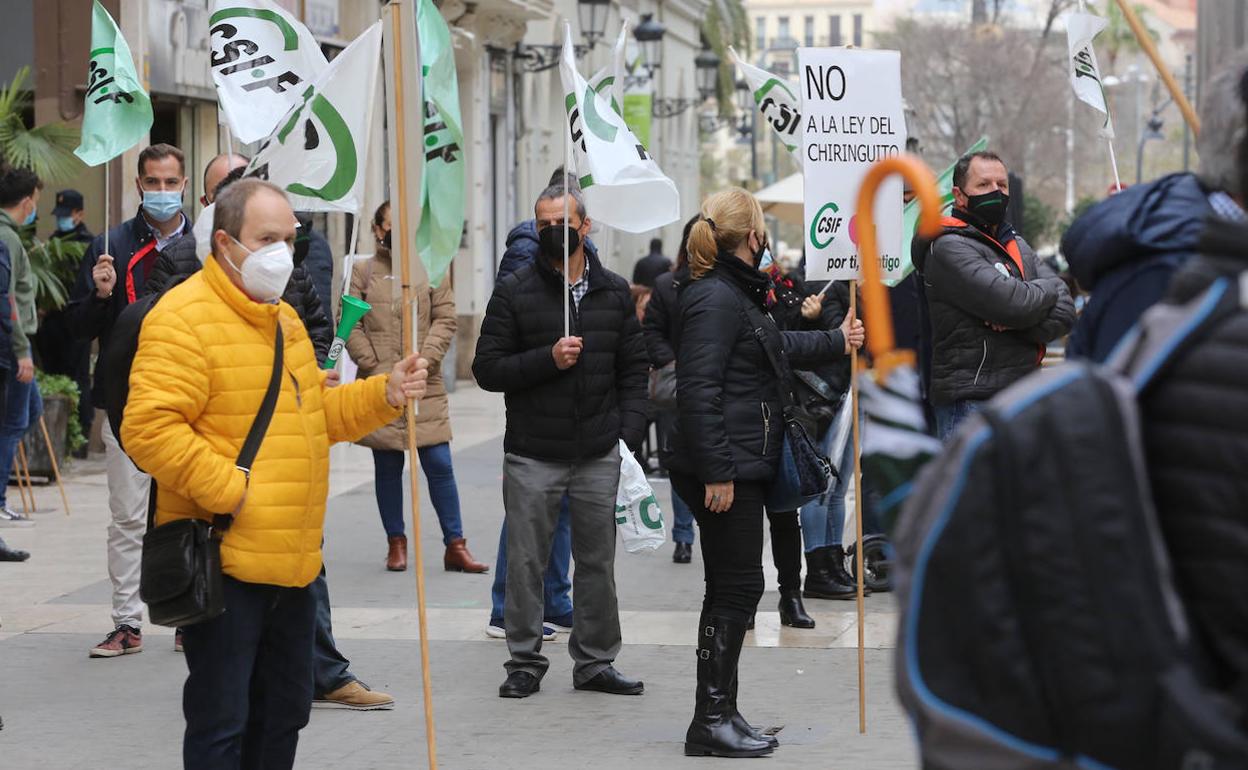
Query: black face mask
(551, 242)
(385, 240)
(758, 255)
(989, 207)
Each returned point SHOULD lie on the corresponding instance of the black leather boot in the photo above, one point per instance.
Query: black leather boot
(714, 730)
(792, 613)
(821, 578)
(742, 724)
(836, 566)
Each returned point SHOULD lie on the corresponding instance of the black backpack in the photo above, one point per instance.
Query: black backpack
(1040, 626)
(118, 355)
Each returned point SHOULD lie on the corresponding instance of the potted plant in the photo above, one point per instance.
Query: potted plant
(60, 413)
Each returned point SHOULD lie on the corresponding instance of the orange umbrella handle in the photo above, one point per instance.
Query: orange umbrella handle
(880, 338)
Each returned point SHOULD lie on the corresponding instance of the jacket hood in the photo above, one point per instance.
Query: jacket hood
(1163, 218)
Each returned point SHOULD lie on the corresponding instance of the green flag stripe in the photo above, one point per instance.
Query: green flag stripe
(290, 37)
(98, 51)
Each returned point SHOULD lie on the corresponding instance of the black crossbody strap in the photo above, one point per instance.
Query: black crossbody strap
(255, 436)
(260, 425)
(755, 320)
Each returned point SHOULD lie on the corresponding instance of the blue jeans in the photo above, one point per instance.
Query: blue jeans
(388, 479)
(22, 406)
(823, 519)
(329, 667)
(248, 690)
(682, 520)
(556, 587)
(950, 416)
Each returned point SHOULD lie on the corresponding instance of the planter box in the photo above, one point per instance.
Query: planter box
(56, 410)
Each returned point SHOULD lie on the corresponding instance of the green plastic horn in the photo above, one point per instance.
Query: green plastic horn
(353, 309)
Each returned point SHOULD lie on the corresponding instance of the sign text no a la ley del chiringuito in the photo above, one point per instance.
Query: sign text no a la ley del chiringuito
(852, 117)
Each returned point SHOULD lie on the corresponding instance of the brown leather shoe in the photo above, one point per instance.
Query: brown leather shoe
(396, 560)
(457, 558)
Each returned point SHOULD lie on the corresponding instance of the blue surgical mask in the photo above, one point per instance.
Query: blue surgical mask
(162, 205)
(65, 224)
(30, 220)
(765, 261)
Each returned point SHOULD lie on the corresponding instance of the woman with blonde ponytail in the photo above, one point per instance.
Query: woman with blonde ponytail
(727, 447)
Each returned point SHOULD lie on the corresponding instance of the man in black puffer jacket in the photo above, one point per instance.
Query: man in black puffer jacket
(570, 399)
(993, 305)
(1196, 440)
(181, 261)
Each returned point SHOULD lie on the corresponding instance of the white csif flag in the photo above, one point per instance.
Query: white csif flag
(262, 61)
(1085, 73)
(609, 81)
(317, 153)
(777, 100)
(623, 186)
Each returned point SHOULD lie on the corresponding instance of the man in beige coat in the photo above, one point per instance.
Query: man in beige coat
(375, 344)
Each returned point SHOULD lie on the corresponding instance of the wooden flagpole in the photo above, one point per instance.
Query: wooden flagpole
(56, 471)
(21, 487)
(1150, 49)
(861, 593)
(25, 472)
(405, 243)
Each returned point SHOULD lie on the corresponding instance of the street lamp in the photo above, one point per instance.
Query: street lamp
(592, 15)
(706, 67)
(649, 35)
(593, 18)
(745, 106)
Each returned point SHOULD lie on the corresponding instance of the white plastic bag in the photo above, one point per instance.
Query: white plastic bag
(637, 514)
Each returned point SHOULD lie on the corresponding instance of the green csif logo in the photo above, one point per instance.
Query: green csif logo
(342, 144)
(240, 55)
(825, 226)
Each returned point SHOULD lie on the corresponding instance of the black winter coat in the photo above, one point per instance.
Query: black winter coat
(91, 317)
(970, 282)
(180, 262)
(662, 317)
(727, 392)
(1196, 441)
(579, 413)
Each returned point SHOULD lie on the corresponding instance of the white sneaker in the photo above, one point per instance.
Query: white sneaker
(498, 632)
(13, 519)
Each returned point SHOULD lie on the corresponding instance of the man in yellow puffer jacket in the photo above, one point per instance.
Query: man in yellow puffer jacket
(204, 361)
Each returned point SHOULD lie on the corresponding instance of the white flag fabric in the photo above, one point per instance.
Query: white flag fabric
(1085, 73)
(609, 81)
(262, 61)
(778, 102)
(623, 186)
(317, 153)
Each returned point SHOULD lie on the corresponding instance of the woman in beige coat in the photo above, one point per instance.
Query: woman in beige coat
(375, 344)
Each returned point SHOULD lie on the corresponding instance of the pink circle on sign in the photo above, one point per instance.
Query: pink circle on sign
(853, 229)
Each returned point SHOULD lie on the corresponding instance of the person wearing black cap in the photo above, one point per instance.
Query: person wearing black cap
(70, 216)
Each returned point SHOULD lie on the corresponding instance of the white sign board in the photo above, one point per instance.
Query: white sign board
(852, 117)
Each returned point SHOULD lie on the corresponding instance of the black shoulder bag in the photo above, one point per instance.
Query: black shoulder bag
(804, 473)
(181, 567)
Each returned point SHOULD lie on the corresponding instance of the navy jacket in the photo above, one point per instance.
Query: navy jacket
(91, 317)
(1125, 250)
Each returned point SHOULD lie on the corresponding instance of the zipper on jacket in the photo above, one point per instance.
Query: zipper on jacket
(982, 361)
(766, 426)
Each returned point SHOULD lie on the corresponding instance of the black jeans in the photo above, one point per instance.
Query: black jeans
(732, 547)
(249, 690)
(329, 666)
(786, 548)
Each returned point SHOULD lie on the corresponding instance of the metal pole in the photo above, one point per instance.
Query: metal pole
(1070, 151)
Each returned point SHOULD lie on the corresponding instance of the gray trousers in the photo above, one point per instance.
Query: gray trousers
(532, 490)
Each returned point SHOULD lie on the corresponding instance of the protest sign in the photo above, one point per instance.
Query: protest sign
(852, 117)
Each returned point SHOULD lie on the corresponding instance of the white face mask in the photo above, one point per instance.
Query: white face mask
(203, 232)
(266, 271)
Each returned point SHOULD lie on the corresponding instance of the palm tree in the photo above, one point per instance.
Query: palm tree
(726, 25)
(48, 150)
